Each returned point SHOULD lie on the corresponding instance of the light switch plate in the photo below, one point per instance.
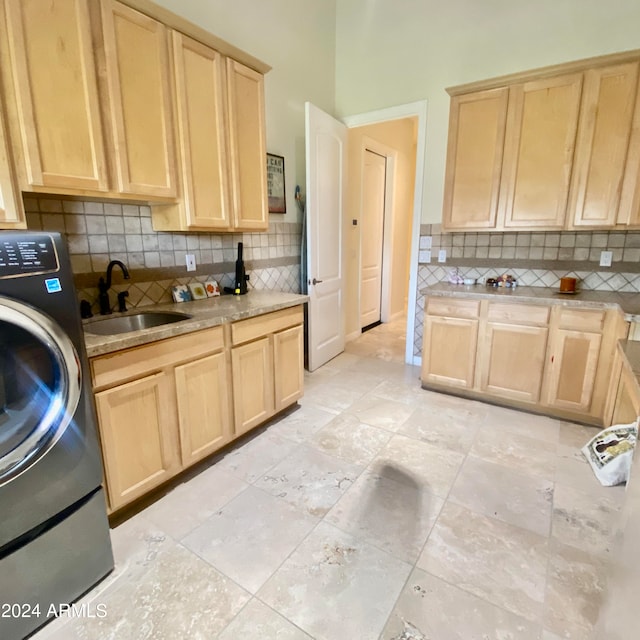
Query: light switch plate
(425, 242)
(605, 258)
(442, 255)
(191, 262)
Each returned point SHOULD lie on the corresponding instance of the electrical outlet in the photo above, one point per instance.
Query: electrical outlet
(426, 255)
(605, 258)
(442, 255)
(426, 242)
(191, 262)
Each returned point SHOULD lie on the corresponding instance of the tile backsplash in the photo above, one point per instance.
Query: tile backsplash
(98, 232)
(537, 259)
(549, 246)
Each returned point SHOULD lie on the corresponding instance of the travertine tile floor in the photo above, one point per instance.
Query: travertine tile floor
(377, 510)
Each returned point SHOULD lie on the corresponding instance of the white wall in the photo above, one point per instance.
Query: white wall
(297, 39)
(390, 52)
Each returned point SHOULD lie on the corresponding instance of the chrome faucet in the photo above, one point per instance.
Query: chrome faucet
(103, 287)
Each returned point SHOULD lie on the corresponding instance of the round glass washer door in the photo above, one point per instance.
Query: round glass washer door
(40, 383)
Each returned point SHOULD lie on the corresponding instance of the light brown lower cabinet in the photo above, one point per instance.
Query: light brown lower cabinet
(161, 408)
(450, 342)
(548, 358)
(627, 403)
(137, 430)
(204, 414)
(267, 364)
(253, 399)
(288, 358)
(450, 351)
(164, 406)
(572, 369)
(513, 361)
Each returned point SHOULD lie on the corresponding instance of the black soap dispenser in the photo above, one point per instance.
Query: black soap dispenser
(240, 283)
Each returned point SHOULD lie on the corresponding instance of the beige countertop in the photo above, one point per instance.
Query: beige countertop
(204, 314)
(628, 302)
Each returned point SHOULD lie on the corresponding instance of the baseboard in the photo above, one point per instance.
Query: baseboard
(350, 337)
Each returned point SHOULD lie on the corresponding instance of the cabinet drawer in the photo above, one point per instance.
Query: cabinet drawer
(518, 313)
(252, 328)
(453, 308)
(582, 320)
(138, 361)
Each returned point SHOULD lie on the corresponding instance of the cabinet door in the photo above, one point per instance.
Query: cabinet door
(138, 433)
(288, 361)
(203, 407)
(629, 210)
(627, 403)
(11, 207)
(137, 65)
(603, 140)
(540, 140)
(253, 384)
(449, 351)
(474, 159)
(54, 78)
(513, 361)
(200, 89)
(245, 90)
(572, 369)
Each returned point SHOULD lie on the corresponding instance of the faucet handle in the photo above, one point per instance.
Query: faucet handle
(122, 305)
(85, 309)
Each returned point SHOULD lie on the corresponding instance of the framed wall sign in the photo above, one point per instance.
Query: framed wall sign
(275, 184)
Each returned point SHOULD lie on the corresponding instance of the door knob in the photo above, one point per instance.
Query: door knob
(314, 281)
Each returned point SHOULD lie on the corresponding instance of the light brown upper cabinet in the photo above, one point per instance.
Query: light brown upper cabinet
(603, 142)
(95, 95)
(11, 208)
(136, 59)
(200, 114)
(474, 159)
(629, 211)
(245, 96)
(538, 154)
(570, 157)
(221, 143)
(50, 65)
(510, 155)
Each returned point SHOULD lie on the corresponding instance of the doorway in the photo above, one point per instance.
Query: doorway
(402, 246)
(397, 135)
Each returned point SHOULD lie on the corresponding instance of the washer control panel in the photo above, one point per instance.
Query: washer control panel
(22, 255)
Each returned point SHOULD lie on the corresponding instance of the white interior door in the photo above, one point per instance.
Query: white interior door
(371, 237)
(326, 141)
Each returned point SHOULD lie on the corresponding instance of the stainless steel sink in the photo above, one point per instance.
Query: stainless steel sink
(134, 322)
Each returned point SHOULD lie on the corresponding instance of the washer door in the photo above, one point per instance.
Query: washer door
(40, 382)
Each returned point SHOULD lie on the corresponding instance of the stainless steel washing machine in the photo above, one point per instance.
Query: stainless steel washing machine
(54, 533)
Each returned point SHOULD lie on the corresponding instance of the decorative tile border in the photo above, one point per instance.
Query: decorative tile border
(571, 246)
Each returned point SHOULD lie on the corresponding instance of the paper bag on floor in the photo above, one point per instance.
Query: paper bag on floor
(610, 453)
